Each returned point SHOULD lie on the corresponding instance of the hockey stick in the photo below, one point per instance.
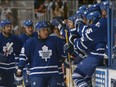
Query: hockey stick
(68, 71)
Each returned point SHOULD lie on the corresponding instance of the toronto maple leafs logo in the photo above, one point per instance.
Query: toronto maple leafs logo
(8, 49)
(45, 53)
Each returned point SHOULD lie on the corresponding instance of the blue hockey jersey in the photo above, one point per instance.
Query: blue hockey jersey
(43, 55)
(94, 39)
(25, 37)
(12, 51)
(80, 27)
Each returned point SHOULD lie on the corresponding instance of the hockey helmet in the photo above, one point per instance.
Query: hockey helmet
(41, 25)
(3, 23)
(94, 16)
(27, 23)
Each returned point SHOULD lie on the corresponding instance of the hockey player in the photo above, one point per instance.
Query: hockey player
(28, 33)
(10, 47)
(94, 48)
(56, 32)
(43, 53)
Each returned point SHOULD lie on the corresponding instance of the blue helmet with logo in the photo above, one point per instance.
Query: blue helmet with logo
(41, 25)
(94, 16)
(27, 23)
(104, 5)
(3, 23)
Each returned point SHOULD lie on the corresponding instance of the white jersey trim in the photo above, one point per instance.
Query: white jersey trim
(8, 63)
(47, 72)
(79, 48)
(84, 45)
(43, 67)
(99, 54)
(7, 68)
(88, 37)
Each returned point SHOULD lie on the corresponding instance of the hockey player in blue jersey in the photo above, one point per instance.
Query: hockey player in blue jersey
(43, 53)
(94, 49)
(10, 47)
(56, 32)
(28, 33)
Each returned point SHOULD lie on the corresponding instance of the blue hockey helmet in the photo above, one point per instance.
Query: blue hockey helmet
(72, 18)
(54, 22)
(27, 23)
(95, 7)
(94, 16)
(85, 13)
(83, 8)
(104, 5)
(41, 25)
(3, 23)
(79, 14)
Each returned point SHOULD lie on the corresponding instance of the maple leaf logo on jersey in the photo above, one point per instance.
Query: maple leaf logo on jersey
(8, 49)
(45, 53)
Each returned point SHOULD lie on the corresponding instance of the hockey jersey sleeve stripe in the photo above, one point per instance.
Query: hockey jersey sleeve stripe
(84, 45)
(22, 59)
(83, 30)
(100, 49)
(98, 54)
(64, 56)
(7, 68)
(73, 29)
(88, 37)
(43, 67)
(79, 47)
(47, 72)
(22, 55)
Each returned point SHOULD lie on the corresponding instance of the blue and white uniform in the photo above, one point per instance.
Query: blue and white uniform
(92, 43)
(24, 37)
(44, 56)
(7, 67)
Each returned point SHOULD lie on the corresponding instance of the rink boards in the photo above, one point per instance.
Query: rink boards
(105, 77)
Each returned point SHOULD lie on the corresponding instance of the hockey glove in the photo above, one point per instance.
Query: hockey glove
(18, 76)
